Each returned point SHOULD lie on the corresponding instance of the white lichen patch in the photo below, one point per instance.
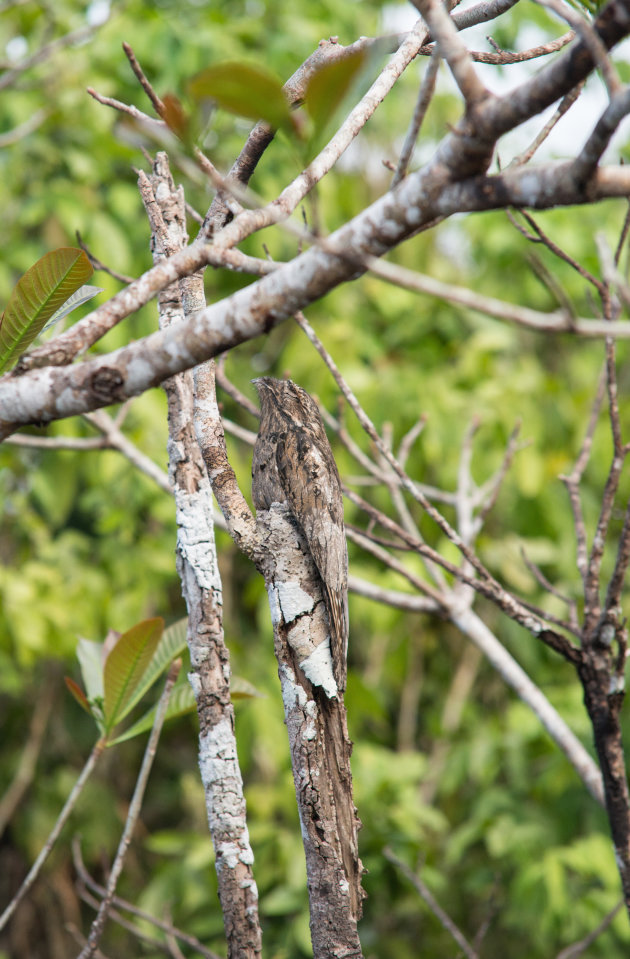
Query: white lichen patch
(231, 853)
(530, 189)
(217, 754)
(318, 668)
(223, 785)
(292, 692)
(293, 600)
(195, 537)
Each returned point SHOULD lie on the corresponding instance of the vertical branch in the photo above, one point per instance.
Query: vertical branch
(201, 586)
(317, 728)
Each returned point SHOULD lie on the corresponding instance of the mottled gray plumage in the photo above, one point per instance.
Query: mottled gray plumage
(294, 464)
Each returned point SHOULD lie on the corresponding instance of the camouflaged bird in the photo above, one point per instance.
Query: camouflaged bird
(294, 465)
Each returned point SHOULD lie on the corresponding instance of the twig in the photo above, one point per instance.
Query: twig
(23, 130)
(158, 104)
(25, 771)
(60, 43)
(505, 57)
(409, 602)
(82, 444)
(489, 492)
(125, 108)
(427, 88)
(565, 104)
(558, 322)
(610, 270)
(69, 805)
(572, 481)
(116, 917)
(590, 39)
(228, 387)
(117, 440)
(91, 883)
(591, 153)
(409, 439)
(367, 543)
(443, 918)
(133, 813)
(454, 52)
(99, 265)
(579, 948)
(542, 580)
(592, 579)
(622, 236)
(541, 237)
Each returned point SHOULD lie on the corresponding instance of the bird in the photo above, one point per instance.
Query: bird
(294, 465)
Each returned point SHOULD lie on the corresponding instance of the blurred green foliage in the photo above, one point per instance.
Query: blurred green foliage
(470, 790)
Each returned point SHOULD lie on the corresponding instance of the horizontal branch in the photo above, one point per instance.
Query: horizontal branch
(556, 322)
(51, 393)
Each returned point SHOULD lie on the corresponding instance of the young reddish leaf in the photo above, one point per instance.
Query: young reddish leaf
(78, 694)
(327, 88)
(37, 296)
(125, 666)
(175, 117)
(247, 90)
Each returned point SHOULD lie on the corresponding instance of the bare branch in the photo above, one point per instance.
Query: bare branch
(592, 151)
(444, 919)
(425, 93)
(557, 322)
(591, 40)
(565, 104)
(541, 237)
(133, 813)
(405, 601)
(70, 803)
(90, 883)
(44, 53)
(23, 130)
(454, 52)
(156, 101)
(117, 440)
(127, 108)
(25, 770)
(99, 265)
(572, 481)
(368, 544)
(579, 948)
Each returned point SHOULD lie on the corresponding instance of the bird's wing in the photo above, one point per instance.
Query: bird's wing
(312, 487)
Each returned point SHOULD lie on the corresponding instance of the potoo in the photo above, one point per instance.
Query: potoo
(294, 465)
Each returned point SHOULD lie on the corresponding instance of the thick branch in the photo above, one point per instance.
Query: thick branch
(53, 393)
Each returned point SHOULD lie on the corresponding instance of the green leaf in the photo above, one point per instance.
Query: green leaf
(249, 91)
(242, 689)
(81, 296)
(171, 645)
(182, 701)
(125, 667)
(90, 656)
(327, 88)
(36, 297)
